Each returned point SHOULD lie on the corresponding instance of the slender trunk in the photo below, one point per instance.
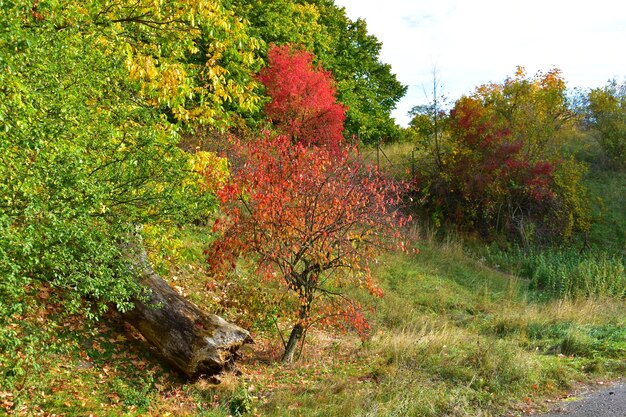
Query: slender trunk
(292, 343)
(306, 296)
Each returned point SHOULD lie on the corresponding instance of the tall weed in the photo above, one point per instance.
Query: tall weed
(567, 273)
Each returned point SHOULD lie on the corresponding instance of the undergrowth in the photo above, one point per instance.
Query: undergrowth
(485, 334)
(566, 272)
(452, 336)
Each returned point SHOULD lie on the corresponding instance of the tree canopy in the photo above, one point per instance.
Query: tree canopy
(365, 85)
(94, 96)
(607, 114)
(303, 102)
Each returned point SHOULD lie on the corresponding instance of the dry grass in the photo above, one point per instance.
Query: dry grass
(451, 337)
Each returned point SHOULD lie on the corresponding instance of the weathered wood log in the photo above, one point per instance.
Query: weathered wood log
(193, 341)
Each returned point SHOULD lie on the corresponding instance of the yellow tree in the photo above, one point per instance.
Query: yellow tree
(607, 114)
(535, 109)
(94, 97)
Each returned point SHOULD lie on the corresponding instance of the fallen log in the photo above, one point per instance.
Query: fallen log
(193, 341)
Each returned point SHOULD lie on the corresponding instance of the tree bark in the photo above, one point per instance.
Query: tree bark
(191, 340)
(292, 343)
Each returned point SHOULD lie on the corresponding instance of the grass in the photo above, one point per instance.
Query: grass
(452, 336)
(456, 334)
(565, 272)
(397, 159)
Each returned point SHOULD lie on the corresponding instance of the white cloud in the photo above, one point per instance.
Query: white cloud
(474, 42)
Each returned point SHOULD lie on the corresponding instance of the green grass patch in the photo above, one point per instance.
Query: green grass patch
(452, 336)
(565, 272)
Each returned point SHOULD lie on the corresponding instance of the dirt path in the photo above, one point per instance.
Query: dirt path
(605, 402)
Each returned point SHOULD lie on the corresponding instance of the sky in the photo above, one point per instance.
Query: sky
(473, 42)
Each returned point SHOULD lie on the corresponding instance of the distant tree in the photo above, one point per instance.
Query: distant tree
(303, 102)
(607, 114)
(490, 175)
(429, 121)
(312, 219)
(536, 109)
(500, 166)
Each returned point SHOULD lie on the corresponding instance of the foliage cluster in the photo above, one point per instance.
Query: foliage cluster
(311, 214)
(609, 227)
(365, 85)
(497, 166)
(303, 103)
(93, 98)
(607, 115)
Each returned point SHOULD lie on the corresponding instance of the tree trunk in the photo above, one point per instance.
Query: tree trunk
(292, 343)
(193, 341)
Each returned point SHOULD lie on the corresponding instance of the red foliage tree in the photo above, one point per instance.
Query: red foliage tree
(311, 217)
(303, 102)
(500, 163)
(486, 176)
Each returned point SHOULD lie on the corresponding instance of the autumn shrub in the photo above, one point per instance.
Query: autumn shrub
(498, 166)
(311, 218)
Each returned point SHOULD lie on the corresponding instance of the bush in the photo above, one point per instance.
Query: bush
(606, 109)
(499, 167)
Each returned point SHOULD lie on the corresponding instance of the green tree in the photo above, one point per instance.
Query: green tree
(365, 85)
(607, 114)
(93, 98)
